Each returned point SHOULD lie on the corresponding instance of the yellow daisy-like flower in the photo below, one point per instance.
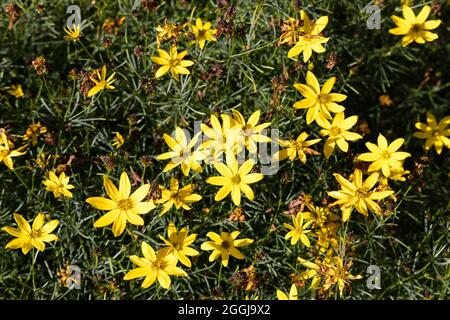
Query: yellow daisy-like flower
(434, 133)
(118, 140)
(101, 83)
(177, 197)
(160, 265)
(33, 236)
(319, 102)
(224, 245)
(168, 31)
(226, 138)
(337, 273)
(6, 150)
(58, 185)
(203, 32)
(179, 244)
(122, 207)
(16, 91)
(298, 230)
(234, 179)
(415, 28)
(293, 294)
(172, 61)
(296, 148)
(73, 33)
(182, 154)
(358, 194)
(337, 132)
(251, 130)
(311, 40)
(384, 156)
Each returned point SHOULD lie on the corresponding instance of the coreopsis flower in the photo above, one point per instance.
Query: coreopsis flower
(338, 273)
(358, 194)
(415, 28)
(172, 61)
(293, 294)
(337, 132)
(311, 40)
(234, 179)
(296, 148)
(182, 154)
(34, 236)
(384, 156)
(168, 31)
(291, 30)
(226, 138)
(58, 185)
(434, 133)
(101, 83)
(33, 132)
(16, 91)
(122, 207)
(177, 197)
(118, 141)
(179, 244)
(7, 151)
(298, 230)
(160, 265)
(314, 271)
(203, 32)
(224, 245)
(72, 33)
(251, 130)
(319, 102)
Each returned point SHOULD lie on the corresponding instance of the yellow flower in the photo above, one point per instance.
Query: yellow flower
(311, 39)
(118, 141)
(313, 271)
(16, 91)
(338, 274)
(234, 179)
(337, 132)
(179, 243)
(6, 152)
(33, 132)
(160, 265)
(415, 28)
(203, 32)
(358, 194)
(298, 230)
(59, 186)
(182, 153)
(319, 102)
(225, 245)
(72, 33)
(177, 197)
(34, 236)
(384, 156)
(251, 130)
(172, 61)
(168, 31)
(122, 207)
(296, 148)
(434, 133)
(226, 138)
(292, 30)
(293, 294)
(101, 82)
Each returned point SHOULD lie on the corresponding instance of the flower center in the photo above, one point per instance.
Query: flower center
(236, 179)
(323, 98)
(225, 244)
(160, 264)
(125, 204)
(3, 153)
(334, 131)
(361, 193)
(417, 28)
(386, 155)
(34, 234)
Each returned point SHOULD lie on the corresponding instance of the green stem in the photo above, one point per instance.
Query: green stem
(20, 179)
(32, 272)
